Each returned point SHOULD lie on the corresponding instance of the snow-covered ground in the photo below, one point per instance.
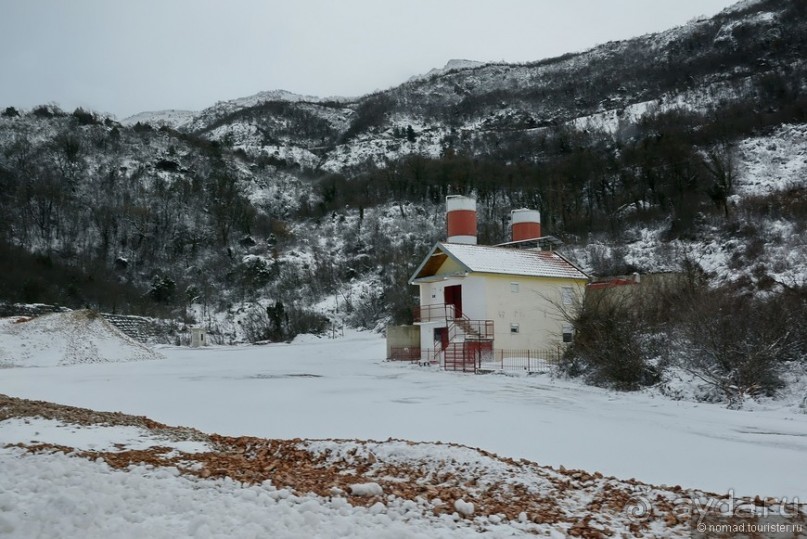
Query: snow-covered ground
(772, 163)
(64, 339)
(72, 497)
(319, 388)
(87, 438)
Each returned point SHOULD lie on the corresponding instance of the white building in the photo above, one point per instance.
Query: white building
(478, 300)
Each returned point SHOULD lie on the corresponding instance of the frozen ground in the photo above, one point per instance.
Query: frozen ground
(342, 389)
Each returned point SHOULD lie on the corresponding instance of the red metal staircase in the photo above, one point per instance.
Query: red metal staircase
(468, 340)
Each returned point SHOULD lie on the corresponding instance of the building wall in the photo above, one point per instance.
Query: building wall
(534, 307)
(433, 293)
(534, 304)
(402, 337)
(427, 335)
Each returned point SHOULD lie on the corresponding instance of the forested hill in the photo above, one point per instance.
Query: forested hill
(278, 213)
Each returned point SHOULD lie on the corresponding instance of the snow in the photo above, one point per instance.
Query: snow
(451, 65)
(504, 260)
(341, 389)
(87, 438)
(366, 489)
(55, 495)
(773, 163)
(610, 121)
(66, 338)
(175, 119)
(385, 148)
(741, 5)
(464, 508)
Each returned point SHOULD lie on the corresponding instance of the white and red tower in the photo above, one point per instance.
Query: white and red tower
(461, 219)
(526, 224)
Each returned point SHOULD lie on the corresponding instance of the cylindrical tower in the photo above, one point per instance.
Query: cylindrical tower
(461, 219)
(526, 224)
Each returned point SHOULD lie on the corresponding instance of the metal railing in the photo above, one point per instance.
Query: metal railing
(404, 353)
(528, 361)
(435, 313)
(470, 330)
(462, 325)
(457, 357)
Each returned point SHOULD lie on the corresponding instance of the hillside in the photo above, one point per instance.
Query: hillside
(752, 51)
(276, 214)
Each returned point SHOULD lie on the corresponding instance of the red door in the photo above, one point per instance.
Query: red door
(453, 296)
(441, 335)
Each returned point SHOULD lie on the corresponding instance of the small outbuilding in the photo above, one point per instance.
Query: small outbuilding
(198, 337)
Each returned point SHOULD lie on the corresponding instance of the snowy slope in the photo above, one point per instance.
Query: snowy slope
(208, 116)
(66, 339)
(773, 163)
(451, 65)
(175, 119)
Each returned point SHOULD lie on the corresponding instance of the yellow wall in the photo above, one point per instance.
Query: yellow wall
(449, 267)
(487, 296)
(536, 307)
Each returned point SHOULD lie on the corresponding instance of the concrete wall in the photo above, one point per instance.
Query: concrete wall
(427, 334)
(402, 337)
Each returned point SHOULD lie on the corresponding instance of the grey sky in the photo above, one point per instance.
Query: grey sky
(127, 56)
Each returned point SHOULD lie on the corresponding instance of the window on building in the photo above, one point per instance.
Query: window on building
(514, 288)
(567, 295)
(568, 333)
(514, 328)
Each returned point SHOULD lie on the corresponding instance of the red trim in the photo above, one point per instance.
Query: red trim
(613, 282)
(526, 231)
(461, 223)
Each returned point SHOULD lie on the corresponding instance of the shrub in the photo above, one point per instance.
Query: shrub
(284, 323)
(610, 348)
(737, 343)
(85, 117)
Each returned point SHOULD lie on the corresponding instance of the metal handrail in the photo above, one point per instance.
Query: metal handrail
(478, 329)
(438, 311)
(475, 330)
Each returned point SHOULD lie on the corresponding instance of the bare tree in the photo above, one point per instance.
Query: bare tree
(719, 163)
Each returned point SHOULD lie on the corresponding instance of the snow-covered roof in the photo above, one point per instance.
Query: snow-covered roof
(502, 260)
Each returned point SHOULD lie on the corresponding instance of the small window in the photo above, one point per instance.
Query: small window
(514, 288)
(568, 332)
(567, 295)
(434, 293)
(514, 328)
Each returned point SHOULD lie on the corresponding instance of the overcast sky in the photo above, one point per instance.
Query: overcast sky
(127, 56)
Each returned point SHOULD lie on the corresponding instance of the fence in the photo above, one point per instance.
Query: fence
(496, 360)
(405, 353)
(508, 360)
